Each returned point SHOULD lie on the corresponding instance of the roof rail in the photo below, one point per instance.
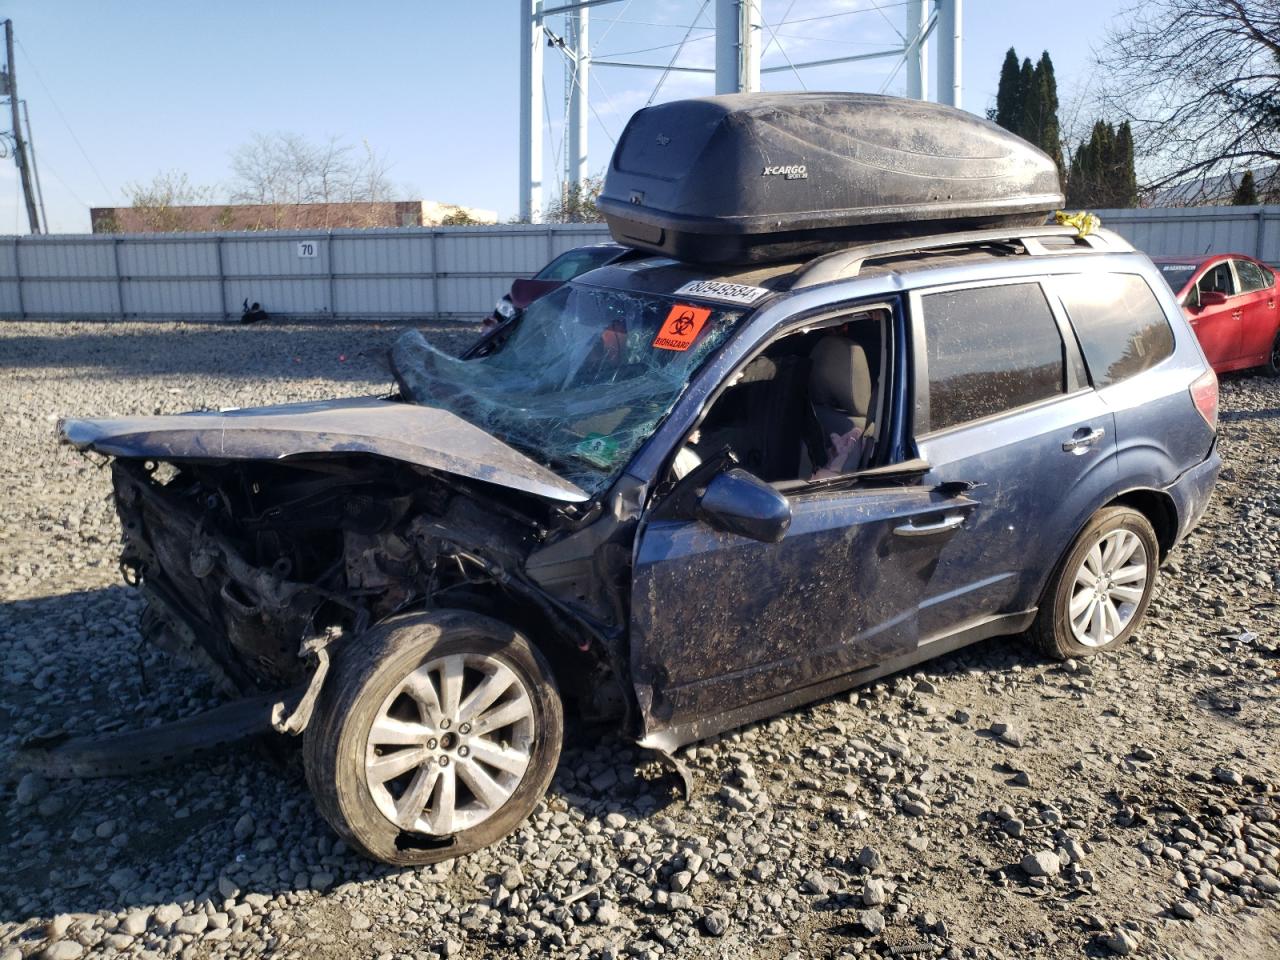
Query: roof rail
(844, 264)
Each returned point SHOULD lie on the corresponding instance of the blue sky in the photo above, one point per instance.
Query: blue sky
(120, 92)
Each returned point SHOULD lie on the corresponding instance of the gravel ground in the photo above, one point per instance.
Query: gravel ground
(993, 804)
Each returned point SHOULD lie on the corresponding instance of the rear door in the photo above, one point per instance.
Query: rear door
(1258, 303)
(1129, 348)
(1217, 326)
(1003, 404)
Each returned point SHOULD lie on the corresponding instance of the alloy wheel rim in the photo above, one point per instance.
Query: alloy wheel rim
(1108, 588)
(450, 744)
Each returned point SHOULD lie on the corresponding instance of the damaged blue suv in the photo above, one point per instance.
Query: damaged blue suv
(678, 497)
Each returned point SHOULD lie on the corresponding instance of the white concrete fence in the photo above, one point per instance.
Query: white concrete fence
(405, 273)
(410, 272)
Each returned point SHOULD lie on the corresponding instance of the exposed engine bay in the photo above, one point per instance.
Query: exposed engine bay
(248, 566)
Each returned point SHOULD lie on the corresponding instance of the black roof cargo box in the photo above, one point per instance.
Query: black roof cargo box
(760, 176)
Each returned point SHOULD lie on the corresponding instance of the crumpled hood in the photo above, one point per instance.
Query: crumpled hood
(421, 435)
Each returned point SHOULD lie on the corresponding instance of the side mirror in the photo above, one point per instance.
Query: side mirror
(740, 503)
(1212, 298)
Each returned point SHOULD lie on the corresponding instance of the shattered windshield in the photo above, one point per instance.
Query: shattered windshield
(582, 380)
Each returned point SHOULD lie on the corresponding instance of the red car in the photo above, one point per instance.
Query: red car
(1230, 300)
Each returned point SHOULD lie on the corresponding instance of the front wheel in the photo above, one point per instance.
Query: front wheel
(1102, 588)
(435, 734)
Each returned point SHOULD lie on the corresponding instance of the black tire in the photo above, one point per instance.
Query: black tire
(369, 670)
(1272, 366)
(1052, 630)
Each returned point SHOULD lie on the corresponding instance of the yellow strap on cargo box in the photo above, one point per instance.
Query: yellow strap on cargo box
(1084, 222)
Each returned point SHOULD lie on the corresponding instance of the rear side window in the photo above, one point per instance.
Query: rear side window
(1252, 277)
(1122, 327)
(989, 349)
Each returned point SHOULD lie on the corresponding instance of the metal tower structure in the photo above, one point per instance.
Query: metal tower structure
(740, 32)
(17, 108)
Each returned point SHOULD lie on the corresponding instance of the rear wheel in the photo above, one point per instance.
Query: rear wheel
(436, 734)
(1273, 359)
(1102, 588)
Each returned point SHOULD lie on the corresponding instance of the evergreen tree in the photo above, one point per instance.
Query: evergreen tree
(1102, 171)
(1124, 178)
(1027, 102)
(1246, 194)
(1025, 121)
(1050, 130)
(1008, 106)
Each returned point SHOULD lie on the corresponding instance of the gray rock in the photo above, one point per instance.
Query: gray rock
(227, 887)
(872, 922)
(135, 922)
(1267, 883)
(31, 788)
(168, 913)
(512, 878)
(1185, 910)
(1043, 863)
(57, 928)
(607, 914)
(244, 827)
(62, 950)
(715, 923)
(915, 808)
(870, 858)
(1123, 943)
(873, 892)
(1228, 776)
(192, 923)
(360, 921)
(815, 883)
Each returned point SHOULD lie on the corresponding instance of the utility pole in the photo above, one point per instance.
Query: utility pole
(531, 43)
(19, 142)
(576, 152)
(738, 24)
(950, 44)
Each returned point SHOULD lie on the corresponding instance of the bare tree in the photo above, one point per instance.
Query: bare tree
(577, 202)
(287, 168)
(1199, 82)
(157, 205)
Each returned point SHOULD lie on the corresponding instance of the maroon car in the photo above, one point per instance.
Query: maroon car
(1230, 300)
(570, 264)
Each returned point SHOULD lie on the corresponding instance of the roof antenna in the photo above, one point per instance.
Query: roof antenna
(1207, 247)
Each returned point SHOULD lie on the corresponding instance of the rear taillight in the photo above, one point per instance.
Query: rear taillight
(1204, 394)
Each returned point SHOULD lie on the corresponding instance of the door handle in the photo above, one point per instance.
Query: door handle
(1236, 314)
(1080, 444)
(929, 529)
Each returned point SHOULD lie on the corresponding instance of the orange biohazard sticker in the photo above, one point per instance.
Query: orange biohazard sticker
(681, 327)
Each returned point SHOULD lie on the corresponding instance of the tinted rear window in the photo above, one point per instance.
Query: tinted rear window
(1176, 275)
(990, 349)
(1122, 327)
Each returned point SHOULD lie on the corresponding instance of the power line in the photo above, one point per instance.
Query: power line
(843, 13)
(664, 46)
(675, 56)
(63, 117)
